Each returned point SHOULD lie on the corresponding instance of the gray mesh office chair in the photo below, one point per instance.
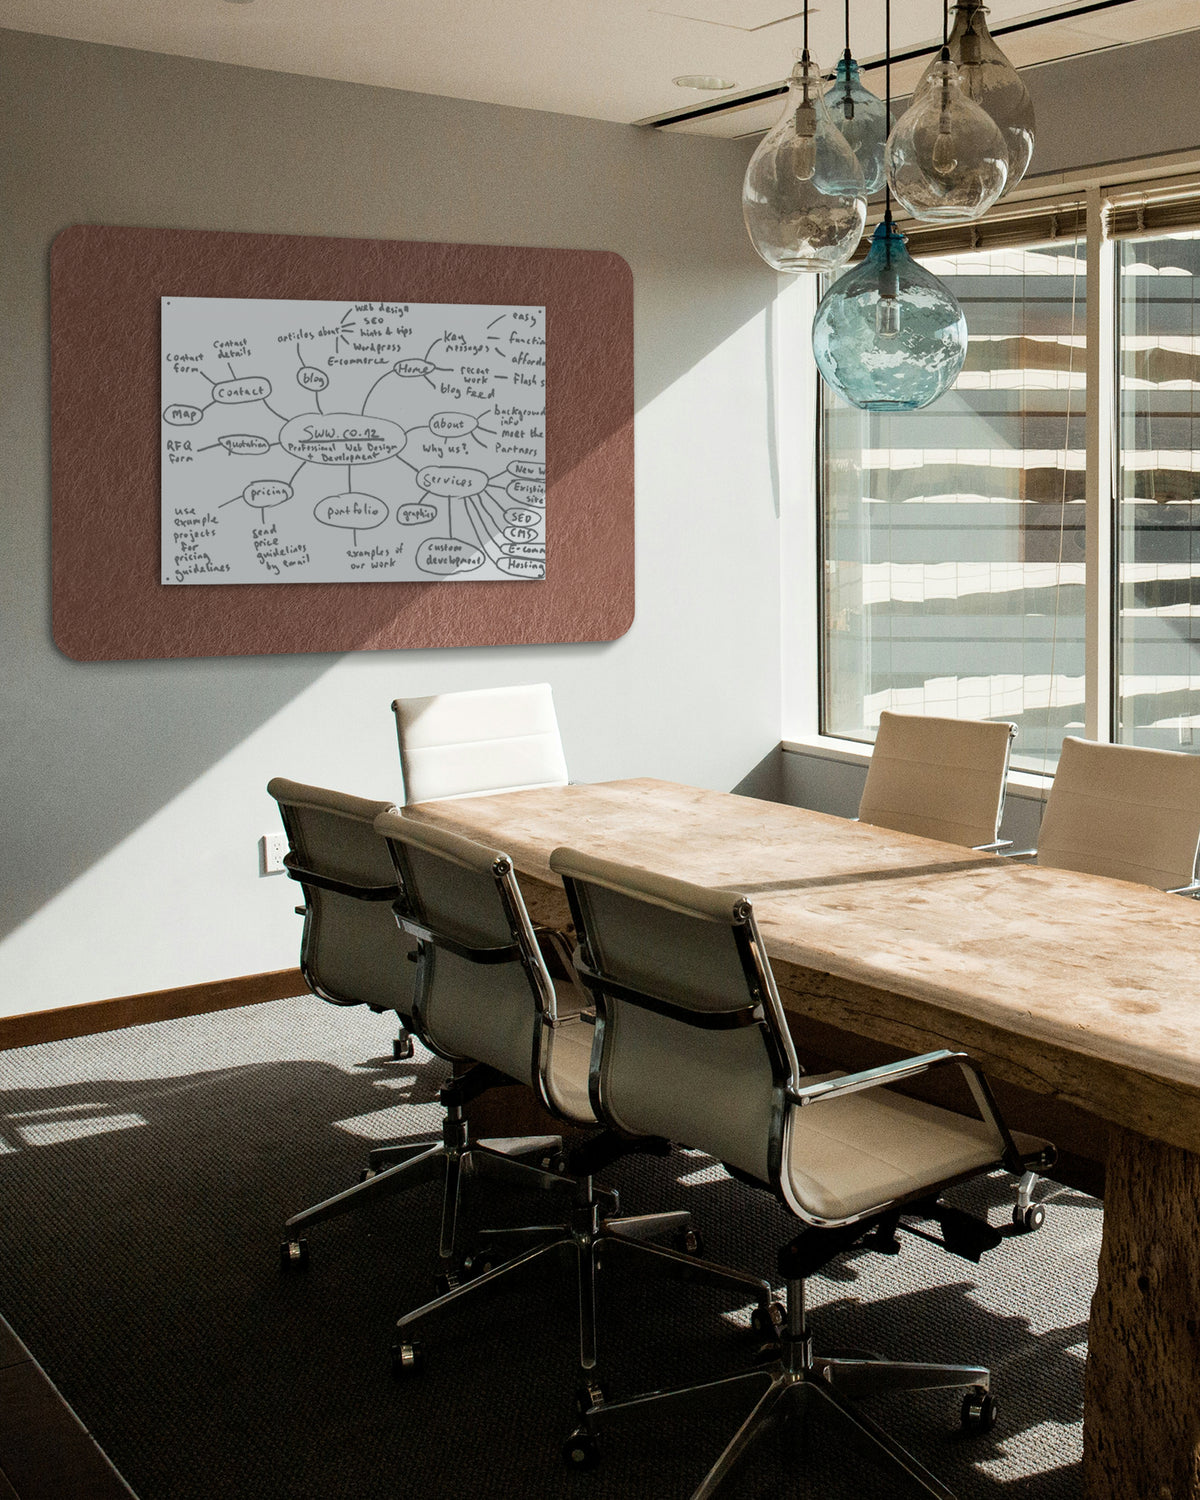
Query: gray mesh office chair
(352, 952)
(484, 992)
(939, 778)
(693, 1044)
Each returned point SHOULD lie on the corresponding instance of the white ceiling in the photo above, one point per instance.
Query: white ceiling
(604, 59)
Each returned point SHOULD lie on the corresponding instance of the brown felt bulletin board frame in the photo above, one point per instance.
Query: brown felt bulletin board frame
(108, 601)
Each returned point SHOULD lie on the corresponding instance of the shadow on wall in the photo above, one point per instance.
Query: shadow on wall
(146, 139)
(125, 740)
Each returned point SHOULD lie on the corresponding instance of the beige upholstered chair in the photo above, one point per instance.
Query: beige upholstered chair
(474, 743)
(938, 778)
(694, 1045)
(1124, 812)
(484, 991)
(353, 952)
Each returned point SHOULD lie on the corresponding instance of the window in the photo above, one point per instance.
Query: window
(1158, 433)
(1027, 547)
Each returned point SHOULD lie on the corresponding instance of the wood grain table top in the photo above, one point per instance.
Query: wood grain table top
(1077, 965)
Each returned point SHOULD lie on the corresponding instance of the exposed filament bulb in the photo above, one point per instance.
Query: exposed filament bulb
(945, 157)
(804, 152)
(887, 309)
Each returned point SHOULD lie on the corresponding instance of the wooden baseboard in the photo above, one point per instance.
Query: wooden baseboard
(157, 1005)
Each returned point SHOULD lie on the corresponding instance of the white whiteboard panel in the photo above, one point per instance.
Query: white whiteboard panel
(335, 442)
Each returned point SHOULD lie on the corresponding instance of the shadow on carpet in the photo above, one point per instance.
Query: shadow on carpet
(146, 1175)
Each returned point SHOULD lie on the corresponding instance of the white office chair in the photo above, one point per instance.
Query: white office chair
(472, 744)
(694, 1045)
(484, 991)
(352, 952)
(939, 778)
(1124, 812)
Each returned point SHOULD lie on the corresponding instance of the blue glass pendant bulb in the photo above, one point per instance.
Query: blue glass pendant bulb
(888, 335)
(861, 118)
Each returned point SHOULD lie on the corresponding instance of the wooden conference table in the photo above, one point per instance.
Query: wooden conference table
(1073, 990)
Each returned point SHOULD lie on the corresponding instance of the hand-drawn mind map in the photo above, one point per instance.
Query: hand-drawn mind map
(327, 442)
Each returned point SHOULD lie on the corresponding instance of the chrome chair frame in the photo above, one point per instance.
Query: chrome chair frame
(799, 1374)
(588, 1231)
(405, 1164)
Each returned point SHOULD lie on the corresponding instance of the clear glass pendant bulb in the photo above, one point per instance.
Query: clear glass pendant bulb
(888, 335)
(862, 119)
(991, 81)
(803, 198)
(946, 159)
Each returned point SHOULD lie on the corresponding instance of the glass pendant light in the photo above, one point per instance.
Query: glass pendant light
(860, 116)
(888, 335)
(991, 81)
(802, 198)
(946, 159)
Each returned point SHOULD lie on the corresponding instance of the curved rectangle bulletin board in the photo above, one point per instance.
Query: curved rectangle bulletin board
(109, 598)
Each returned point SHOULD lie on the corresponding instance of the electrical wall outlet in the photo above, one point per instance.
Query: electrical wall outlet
(271, 849)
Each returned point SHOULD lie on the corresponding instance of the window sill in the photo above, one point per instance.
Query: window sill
(1031, 785)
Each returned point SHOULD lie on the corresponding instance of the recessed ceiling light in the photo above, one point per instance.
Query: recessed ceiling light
(703, 81)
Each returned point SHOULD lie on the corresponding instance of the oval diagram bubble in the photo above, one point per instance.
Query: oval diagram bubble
(234, 392)
(453, 424)
(520, 517)
(445, 556)
(522, 567)
(412, 367)
(526, 469)
(312, 379)
(342, 438)
(264, 493)
(183, 416)
(416, 515)
(520, 534)
(527, 549)
(351, 512)
(244, 442)
(450, 479)
(532, 491)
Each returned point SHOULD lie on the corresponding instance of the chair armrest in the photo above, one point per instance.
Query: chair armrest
(873, 1078)
(912, 1067)
(997, 846)
(1017, 853)
(1192, 890)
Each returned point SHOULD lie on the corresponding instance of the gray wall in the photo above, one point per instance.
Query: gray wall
(134, 791)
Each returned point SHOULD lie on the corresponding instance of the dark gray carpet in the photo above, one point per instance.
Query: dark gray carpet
(145, 1178)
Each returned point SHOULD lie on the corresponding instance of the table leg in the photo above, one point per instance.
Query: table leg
(1141, 1430)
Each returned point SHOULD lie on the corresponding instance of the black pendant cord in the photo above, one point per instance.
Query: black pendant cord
(805, 30)
(945, 25)
(887, 88)
(847, 52)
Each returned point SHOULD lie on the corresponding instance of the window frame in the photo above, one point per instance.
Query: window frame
(1105, 192)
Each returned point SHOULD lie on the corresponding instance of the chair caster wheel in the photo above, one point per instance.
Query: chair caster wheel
(293, 1255)
(769, 1319)
(408, 1359)
(581, 1450)
(448, 1281)
(688, 1241)
(556, 1162)
(1029, 1219)
(402, 1048)
(588, 1398)
(475, 1265)
(978, 1414)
